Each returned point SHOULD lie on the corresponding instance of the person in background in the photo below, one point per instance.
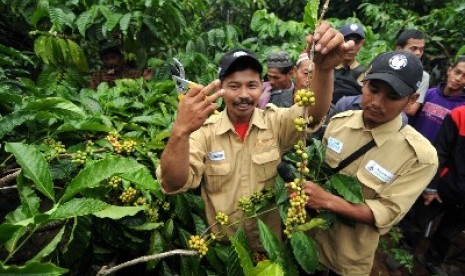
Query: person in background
(413, 41)
(392, 173)
(279, 90)
(114, 68)
(301, 72)
(440, 100)
(446, 192)
(234, 154)
(347, 74)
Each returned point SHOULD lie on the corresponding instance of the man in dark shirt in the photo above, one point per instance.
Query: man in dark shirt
(346, 75)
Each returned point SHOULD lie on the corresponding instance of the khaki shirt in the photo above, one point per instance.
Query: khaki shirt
(228, 169)
(393, 174)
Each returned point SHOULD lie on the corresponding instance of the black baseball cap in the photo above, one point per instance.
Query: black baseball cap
(352, 29)
(248, 58)
(402, 70)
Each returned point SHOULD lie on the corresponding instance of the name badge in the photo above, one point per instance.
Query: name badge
(379, 172)
(335, 145)
(216, 155)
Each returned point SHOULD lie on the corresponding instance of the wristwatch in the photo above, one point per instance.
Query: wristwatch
(430, 191)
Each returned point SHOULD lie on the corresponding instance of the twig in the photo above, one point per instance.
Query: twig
(6, 179)
(105, 271)
(9, 187)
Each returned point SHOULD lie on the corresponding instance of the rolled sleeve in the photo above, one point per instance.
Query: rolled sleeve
(398, 197)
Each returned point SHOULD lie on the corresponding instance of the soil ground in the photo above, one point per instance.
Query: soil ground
(383, 264)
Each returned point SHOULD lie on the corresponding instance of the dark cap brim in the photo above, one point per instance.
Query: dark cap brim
(246, 58)
(399, 86)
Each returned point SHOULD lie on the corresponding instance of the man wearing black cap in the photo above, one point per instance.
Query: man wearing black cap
(393, 170)
(235, 153)
(346, 75)
(279, 89)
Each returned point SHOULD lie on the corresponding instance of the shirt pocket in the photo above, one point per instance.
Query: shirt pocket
(216, 174)
(371, 182)
(265, 164)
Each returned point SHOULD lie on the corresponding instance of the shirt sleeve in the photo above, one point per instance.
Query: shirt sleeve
(423, 87)
(391, 205)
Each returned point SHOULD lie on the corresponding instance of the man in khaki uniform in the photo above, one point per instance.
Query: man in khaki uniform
(234, 154)
(393, 173)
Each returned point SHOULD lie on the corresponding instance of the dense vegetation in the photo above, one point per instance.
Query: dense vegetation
(77, 165)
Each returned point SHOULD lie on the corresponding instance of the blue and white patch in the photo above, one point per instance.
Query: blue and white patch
(379, 172)
(216, 155)
(335, 145)
(398, 61)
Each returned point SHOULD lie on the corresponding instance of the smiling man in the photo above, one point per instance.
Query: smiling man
(393, 172)
(235, 153)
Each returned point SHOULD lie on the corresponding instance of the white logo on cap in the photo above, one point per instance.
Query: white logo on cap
(353, 27)
(239, 54)
(398, 62)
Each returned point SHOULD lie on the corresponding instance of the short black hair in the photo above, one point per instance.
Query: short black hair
(111, 50)
(404, 37)
(458, 60)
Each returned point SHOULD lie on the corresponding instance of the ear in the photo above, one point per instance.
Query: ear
(398, 48)
(413, 98)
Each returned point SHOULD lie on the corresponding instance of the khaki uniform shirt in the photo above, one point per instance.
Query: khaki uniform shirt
(393, 174)
(228, 169)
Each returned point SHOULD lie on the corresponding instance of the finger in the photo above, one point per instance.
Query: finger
(208, 100)
(212, 86)
(321, 29)
(329, 41)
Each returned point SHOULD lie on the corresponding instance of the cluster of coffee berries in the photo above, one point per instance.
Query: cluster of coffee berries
(299, 123)
(79, 157)
(245, 204)
(304, 97)
(196, 242)
(152, 212)
(296, 213)
(57, 146)
(115, 182)
(222, 218)
(140, 201)
(128, 196)
(299, 148)
(129, 146)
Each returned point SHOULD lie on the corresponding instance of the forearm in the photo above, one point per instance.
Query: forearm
(359, 212)
(174, 162)
(322, 85)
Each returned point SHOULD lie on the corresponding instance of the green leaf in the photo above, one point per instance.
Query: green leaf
(124, 22)
(156, 246)
(314, 222)
(34, 166)
(83, 125)
(9, 122)
(117, 212)
(267, 268)
(269, 241)
(348, 187)
(77, 56)
(78, 207)
(305, 251)
(33, 268)
(29, 200)
(143, 179)
(78, 240)
(149, 226)
(51, 246)
(91, 175)
(311, 13)
(244, 257)
(7, 231)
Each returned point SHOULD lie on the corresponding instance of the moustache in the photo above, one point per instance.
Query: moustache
(244, 101)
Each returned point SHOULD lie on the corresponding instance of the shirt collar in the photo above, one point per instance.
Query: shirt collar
(226, 124)
(381, 133)
(352, 66)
